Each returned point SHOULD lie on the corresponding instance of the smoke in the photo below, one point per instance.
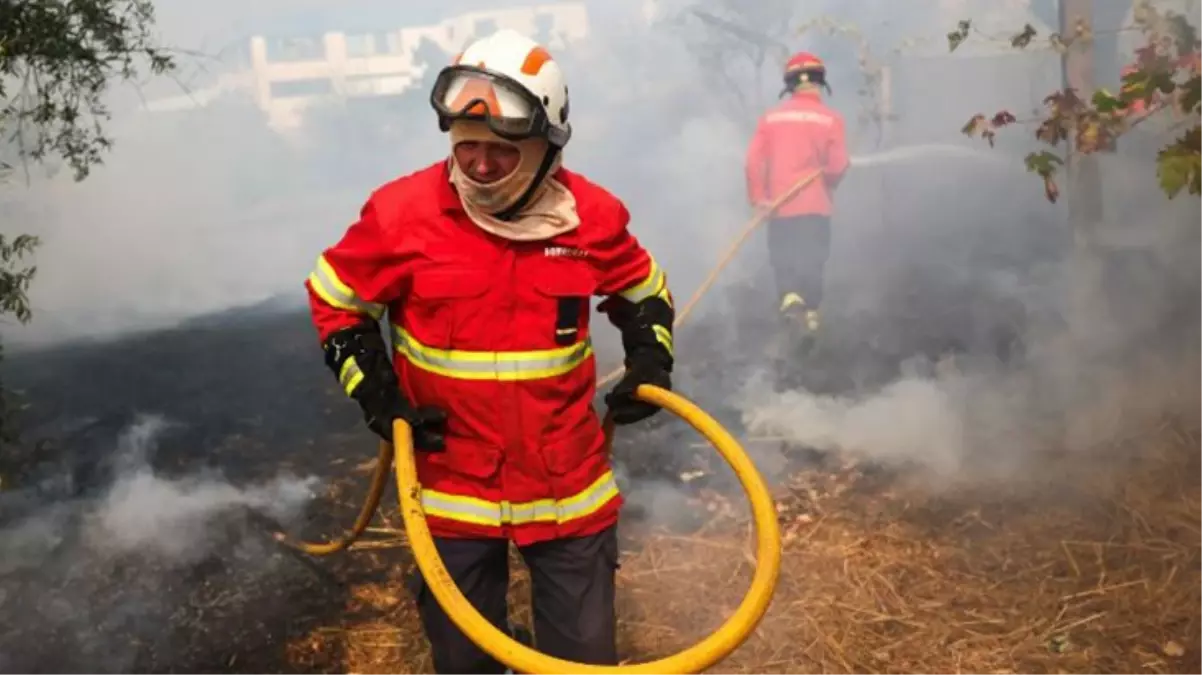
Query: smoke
(98, 575)
(204, 205)
(966, 332)
(907, 421)
(1097, 344)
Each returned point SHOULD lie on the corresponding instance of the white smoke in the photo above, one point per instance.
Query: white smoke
(145, 513)
(99, 570)
(167, 517)
(909, 421)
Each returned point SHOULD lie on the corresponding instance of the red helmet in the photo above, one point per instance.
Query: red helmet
(804, 69)
(804, 61)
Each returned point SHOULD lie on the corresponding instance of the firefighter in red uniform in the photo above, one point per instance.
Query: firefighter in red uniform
(799, 137)
(485, 264)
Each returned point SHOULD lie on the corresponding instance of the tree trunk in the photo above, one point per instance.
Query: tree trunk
(1084, 191)
(1088, 315)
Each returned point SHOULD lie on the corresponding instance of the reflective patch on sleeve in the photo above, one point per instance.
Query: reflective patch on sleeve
(655, 283)
(664, 337)
(349, 376)
(326, 284)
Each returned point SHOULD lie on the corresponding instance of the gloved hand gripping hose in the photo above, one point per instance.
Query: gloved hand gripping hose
(520, 658)
(523, 659)
(380, 477)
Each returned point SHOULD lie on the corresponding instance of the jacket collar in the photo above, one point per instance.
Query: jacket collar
(807, 95)
(448, 196)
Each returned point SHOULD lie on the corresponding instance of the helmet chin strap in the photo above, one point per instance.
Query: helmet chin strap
(543, 169)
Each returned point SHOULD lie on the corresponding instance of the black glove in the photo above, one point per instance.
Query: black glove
(646, 329)
(643, 368)
(359, 359)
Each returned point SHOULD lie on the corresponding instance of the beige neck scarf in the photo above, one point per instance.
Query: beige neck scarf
(550, 212)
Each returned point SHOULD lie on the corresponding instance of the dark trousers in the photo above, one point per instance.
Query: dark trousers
(572, 584)
(798, 247)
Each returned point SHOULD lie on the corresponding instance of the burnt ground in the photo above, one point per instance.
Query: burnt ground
(880, 574)
(246, 396)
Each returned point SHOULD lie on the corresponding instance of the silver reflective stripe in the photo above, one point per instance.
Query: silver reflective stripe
(803, 116)
(480, 512)
(350, 375)
(330, 288)
(649, 287)
(467, 510)
(507, 366)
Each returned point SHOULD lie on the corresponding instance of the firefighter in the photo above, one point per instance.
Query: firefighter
(798, 137)
(485, 264)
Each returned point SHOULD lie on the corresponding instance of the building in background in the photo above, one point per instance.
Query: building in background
(380, 49)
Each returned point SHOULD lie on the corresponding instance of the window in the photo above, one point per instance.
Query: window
(388, 42)
(361, 45)
(376, 85)
(317, 86)
(296, 49)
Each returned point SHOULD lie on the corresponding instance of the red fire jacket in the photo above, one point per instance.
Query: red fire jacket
(796, 138)
(496, 333)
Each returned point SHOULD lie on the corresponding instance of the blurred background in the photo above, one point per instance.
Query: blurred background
(168, 405)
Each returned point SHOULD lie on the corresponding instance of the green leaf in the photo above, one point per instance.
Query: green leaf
(66, 56)
(1182, 32)
(1175, 172)
(958, 36)
(1191, 94)
(1024, 38)
(1163, 81)
(1043, 163)
(1179, 165)
(973, 126)
(1134, 87)
(1105, 102)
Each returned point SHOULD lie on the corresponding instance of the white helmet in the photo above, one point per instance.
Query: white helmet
(510, 82)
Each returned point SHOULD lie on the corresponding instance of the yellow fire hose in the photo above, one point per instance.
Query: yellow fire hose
(523, 659)
(752, 225)
(379, 477)
(502, 647)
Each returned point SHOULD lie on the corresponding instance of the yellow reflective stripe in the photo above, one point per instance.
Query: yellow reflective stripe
(666, 295)
(503, 366)
(790, 299)
(336, 293)
(350, 376)
(482, 512)
(655, 283)
(663, 336)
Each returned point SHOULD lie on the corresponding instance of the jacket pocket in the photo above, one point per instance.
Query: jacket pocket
(440, 300)
(467, 457)
(568, 288)
(575, 451)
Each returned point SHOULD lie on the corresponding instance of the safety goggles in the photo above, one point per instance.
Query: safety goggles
(509, 109)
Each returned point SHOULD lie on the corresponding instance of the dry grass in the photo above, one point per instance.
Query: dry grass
(1095, 569)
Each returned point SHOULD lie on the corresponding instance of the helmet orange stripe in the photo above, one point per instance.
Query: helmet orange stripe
(482, 93)
(535, 59)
